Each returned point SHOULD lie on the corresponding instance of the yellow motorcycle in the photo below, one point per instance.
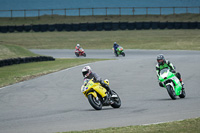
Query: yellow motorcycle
(98, 95)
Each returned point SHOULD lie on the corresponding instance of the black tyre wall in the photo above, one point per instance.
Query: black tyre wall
(4, 29)
(84, 27)
(12, 61)
(107, 26)
(91, 26)
(36, 28)
(27, 28)
(11, 28)
(115, 26)
(99, 26)
(155, 25)
(20, 28)
(52, 27)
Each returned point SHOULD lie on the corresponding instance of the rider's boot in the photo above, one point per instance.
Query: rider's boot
(107, 100)
(109, 94)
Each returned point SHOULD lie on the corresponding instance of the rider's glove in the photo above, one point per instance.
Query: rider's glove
(173, 71)
(102, 83)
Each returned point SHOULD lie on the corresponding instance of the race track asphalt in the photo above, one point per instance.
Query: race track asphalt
(54, 102)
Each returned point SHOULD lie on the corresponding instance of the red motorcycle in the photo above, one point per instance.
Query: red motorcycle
(80, 52)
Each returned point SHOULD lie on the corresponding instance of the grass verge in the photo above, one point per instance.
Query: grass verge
(185, 126)
(134, 39)
(16, 73)
(14, 51)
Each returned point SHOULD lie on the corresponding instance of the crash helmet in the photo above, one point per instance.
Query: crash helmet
(161, 59)
(86, 71)
(78, 45)
(106, 81)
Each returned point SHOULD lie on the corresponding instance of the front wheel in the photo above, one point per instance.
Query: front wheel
(123, 54)
(183, 94)
(116, 100)
(171, 92)
(94, 102)
(84, 54)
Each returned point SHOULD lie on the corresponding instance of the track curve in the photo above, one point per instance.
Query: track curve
(54, 103)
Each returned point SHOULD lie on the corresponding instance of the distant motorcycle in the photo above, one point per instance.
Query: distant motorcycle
(120, 51)
(172, 84)
(80, 52)
(96, 93)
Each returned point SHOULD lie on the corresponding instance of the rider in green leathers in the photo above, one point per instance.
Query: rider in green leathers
(162, 63)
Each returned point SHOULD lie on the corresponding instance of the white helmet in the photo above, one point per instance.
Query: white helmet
(78, 45)
(86, 71)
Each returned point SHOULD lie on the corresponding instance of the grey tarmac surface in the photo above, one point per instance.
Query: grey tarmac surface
(54, 102)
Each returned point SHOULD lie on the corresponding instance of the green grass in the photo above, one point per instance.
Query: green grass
(134, 39)
(185, 126)
(14, 51)
(58, 19)
(16, 73)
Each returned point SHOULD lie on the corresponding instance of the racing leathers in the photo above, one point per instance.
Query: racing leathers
(97, 78)
(78, 48)
(115, 46)
(171, 67)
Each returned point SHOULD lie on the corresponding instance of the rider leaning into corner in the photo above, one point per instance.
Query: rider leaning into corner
(162, 63)
(115, 46)
(78, 47)
(88, 74)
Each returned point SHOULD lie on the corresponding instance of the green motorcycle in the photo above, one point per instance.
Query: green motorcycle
(172, 84)
(120, 51)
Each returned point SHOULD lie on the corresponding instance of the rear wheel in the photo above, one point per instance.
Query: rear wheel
(76, 54)
(94, 102)
(171, 92)
(116, 100)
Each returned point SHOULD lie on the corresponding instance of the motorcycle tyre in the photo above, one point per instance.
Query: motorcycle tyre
(84, 54)
(123, 54)
(171, 92)
(183, 94)
(116, 104)
(77, 55)
(93, 104)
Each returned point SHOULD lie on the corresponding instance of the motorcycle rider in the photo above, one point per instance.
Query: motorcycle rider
(88, 74)
(115, 46)
(78, 47)
(162, 63)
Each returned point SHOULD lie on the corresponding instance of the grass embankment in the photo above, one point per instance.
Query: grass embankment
(21, 72)
(16, 73)
(185, 126)
(14, 51)
(135, 39)
(58, 19)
